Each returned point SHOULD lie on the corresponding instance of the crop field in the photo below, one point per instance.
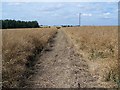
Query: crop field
(99, 47)
(20, 46)
(64, 57)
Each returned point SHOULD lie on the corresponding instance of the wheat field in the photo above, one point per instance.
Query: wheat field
(99, 46)
(18, 46)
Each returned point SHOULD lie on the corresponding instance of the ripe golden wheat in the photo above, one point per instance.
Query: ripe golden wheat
(99, 46)
(18, 45)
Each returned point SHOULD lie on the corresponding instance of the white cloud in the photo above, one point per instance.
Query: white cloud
(60, 0)
(87, 14)
(59, 5)
(106, 15)
(51, 8)
(14, 3)
(55, 15)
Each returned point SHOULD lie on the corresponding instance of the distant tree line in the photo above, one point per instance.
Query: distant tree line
(67, 25)
(18, 24)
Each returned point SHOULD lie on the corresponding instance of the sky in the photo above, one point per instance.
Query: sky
(62, 13)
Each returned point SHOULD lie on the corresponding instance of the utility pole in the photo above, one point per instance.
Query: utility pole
(79, 19)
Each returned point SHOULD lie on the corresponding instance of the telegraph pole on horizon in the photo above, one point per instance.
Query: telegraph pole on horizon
(79, 19)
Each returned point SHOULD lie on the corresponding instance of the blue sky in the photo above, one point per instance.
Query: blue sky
(62, 13)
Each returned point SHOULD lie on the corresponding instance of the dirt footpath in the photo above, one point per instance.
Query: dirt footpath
(60, 66)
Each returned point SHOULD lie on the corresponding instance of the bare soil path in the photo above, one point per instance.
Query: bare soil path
(60, 66)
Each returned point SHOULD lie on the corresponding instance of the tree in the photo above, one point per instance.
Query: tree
(18, 24)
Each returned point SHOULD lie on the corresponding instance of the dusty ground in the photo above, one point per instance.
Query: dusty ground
(0, 58)
(59, 66)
